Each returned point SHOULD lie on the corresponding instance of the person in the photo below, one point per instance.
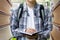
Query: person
(30, 21)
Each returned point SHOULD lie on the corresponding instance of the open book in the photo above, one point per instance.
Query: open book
(23, 32)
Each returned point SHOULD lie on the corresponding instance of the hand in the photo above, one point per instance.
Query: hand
(30, 30)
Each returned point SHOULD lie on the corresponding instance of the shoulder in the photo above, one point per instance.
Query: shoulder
(15, 7)
(14, 10)
(41, 6)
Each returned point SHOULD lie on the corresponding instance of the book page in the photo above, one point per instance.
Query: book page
(23, 32)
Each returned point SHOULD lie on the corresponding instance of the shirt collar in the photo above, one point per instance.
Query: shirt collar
(25, 6)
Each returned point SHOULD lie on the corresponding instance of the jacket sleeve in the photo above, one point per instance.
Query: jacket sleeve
(14, 23)
(47, 23)
(46, 29)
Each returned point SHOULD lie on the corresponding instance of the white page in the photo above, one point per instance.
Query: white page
(23, 32)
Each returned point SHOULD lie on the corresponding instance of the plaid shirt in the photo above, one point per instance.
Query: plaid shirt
(22, 22)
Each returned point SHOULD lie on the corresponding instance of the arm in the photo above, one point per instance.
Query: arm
(47, 23)
(14, 23)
